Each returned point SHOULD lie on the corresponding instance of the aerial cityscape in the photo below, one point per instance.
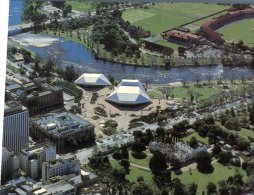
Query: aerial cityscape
(128, 98)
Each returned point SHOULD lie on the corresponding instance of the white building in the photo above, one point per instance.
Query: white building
(92, 79)
(63, 166)
(129, 92)
(179, 150)
(16, 127)
(10, 165)
(31, 158)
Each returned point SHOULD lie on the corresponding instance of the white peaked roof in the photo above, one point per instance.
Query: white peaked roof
(129, 92)
(92, 79)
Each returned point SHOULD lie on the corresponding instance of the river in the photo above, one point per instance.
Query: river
(83, 60)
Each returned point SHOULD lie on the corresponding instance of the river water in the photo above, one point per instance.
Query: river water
(84, 61)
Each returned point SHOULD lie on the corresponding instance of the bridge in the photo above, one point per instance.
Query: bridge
(18, 29)
(21, 28)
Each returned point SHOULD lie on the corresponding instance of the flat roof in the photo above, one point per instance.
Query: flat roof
(62, 123)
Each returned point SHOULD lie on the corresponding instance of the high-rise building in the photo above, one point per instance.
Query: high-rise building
(10, 165)
(16, 126)
(31, 158)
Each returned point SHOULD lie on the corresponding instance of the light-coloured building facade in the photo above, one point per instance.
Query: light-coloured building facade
(31, 158)
(16, 127)
(63, 166)
(10, 165)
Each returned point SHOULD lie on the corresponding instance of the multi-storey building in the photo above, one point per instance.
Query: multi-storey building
(59, 167)
(59, 127)
(43, 99)
(31, 158)
(16, 126)
(10, 165)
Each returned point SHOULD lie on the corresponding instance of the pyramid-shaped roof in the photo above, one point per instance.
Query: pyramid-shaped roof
(92, 79)
(129, 92)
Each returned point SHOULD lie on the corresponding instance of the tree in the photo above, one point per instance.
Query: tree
(48, 67)
(251, 182)
(204, 160)
(251, 116)
(223, 187)
(181, 51)
(141, 188)
(211, 188)
(193, 141)
(70, 74)
(117, 155)
(176, 164)
(216, 150)
(126, 164)
(119, 173)
(178, 187)
(158, 163)
(125, 153)
(193, 188)
(138, 147)
(36, 67)
(224, 157)
(233, 123)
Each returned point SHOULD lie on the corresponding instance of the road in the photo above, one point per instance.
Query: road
(87, 152)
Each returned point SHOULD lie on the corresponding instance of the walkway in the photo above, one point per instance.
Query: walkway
(141, 167)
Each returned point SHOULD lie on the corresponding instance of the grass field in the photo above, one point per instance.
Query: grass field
(142, 162)
(220, 172)
(241, 30)
(245, 133)
(164, 16)
(135, 172)
(203, 92)
(197, 136)
(80, 5)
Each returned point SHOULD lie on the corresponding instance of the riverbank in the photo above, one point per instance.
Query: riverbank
(146, 60)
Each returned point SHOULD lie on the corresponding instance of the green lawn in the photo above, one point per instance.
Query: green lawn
(241, 30)
(202, 92)
(135, 172)
(155, 94)
(198, 137)
(81, 5)
(163, 16)
(142, 162)
(246, 133)
(220, 172)
(183, 92)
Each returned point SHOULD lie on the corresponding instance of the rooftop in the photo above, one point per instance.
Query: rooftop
(37, 147)
(62, 123)
(12, 107)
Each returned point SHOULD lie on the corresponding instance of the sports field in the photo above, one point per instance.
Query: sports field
(241, 30)
(164, 16)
